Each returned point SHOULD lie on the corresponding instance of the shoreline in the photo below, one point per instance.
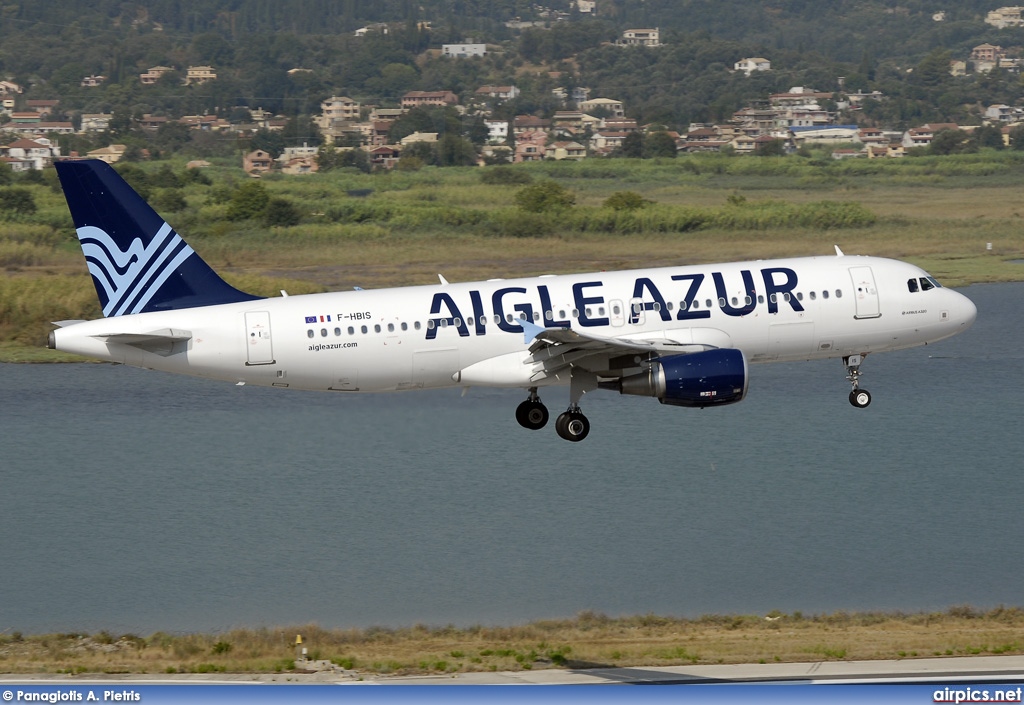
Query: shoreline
(587, 642)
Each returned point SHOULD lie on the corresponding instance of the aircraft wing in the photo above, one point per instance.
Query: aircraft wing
(553, 350)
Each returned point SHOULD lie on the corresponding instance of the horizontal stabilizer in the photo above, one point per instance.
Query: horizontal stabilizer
(165, 342)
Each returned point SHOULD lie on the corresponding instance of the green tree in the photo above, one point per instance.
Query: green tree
(988, 136)
(248, 202)
(773, 148)
(270, 141)
(625, 201)
(632, 146)
(453, 150)
(168, 200)
(659, 144)
(17, 200)
(281, 212)
(948, 142)
(1017, 137)
(544, 196)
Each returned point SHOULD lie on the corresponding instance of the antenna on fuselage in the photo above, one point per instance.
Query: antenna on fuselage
(839, 253)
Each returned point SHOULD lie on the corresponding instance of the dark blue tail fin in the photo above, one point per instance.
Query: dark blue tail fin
(138, 263)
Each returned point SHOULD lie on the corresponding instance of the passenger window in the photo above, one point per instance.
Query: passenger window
(416, 325)
(323, 332)
(600, 311)
(430, 325)
(799, 296)
(668, 305)
(787, 296)
(574, 313)
(549, 316)
(708, 304)
(391, 327)
(747, 300)
(773, 298)
(616, 310)
(351, 330)
(657, 307)
(839, 293)
(444, 322)
(912, 285)
(561, 315)
(695, 304)
(824, 294)
(536, 315)
(734, 301)
(337, 331)
(814, 295)
(457, 322)
(760, 298)
(310, 333)
(405, 326)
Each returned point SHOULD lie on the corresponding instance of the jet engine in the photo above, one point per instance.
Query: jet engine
(709, 378)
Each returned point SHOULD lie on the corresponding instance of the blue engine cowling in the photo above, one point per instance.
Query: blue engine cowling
(709, 378)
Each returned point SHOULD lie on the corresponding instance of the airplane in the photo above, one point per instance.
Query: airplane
(684, 335)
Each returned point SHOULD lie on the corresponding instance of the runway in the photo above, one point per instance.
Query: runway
(991, 669)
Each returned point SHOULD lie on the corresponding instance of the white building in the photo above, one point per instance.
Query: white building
(497, 131)
(752, 64)
(461, 51)
(40, 152)
(613, 108)
(641, 37)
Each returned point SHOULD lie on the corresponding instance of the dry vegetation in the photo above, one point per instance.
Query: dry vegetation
(588, 641)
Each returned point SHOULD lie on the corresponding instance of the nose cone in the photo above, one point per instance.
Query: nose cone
(964, 311)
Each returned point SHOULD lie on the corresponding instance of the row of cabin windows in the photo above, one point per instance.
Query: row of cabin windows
(550, 316)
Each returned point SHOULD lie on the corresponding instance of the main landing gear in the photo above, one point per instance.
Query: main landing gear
(860, 398)
(571, 425)
(532, 414)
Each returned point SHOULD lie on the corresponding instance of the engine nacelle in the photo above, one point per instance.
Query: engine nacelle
(709, 378)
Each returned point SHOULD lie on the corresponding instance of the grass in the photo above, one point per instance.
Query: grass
(589, 640)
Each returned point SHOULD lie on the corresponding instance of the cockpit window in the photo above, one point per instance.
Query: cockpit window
(927, 283)
(912, 285)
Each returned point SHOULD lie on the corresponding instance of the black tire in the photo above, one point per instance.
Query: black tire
(572, 426)
(860, 398)
(532, 415)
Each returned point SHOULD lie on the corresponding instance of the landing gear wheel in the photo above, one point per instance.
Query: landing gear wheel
(860, 398)
(532, 415)
(572, 426)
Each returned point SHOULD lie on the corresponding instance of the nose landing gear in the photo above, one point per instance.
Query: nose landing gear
(860, 398)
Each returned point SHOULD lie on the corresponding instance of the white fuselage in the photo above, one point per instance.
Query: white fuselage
(466, 334)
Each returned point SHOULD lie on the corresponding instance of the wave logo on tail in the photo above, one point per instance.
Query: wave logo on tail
(130, 278)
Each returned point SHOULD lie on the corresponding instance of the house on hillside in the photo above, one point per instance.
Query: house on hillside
(154, 75)
(641, 37)
(752, 64)
(416, 99)
(463, 51)
(110, 154)
(38, 153)
(499, 92)
(565, 150)
(257, 162)
(1006, 17)
(199, 74)
(922, 136)
(613, 108)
